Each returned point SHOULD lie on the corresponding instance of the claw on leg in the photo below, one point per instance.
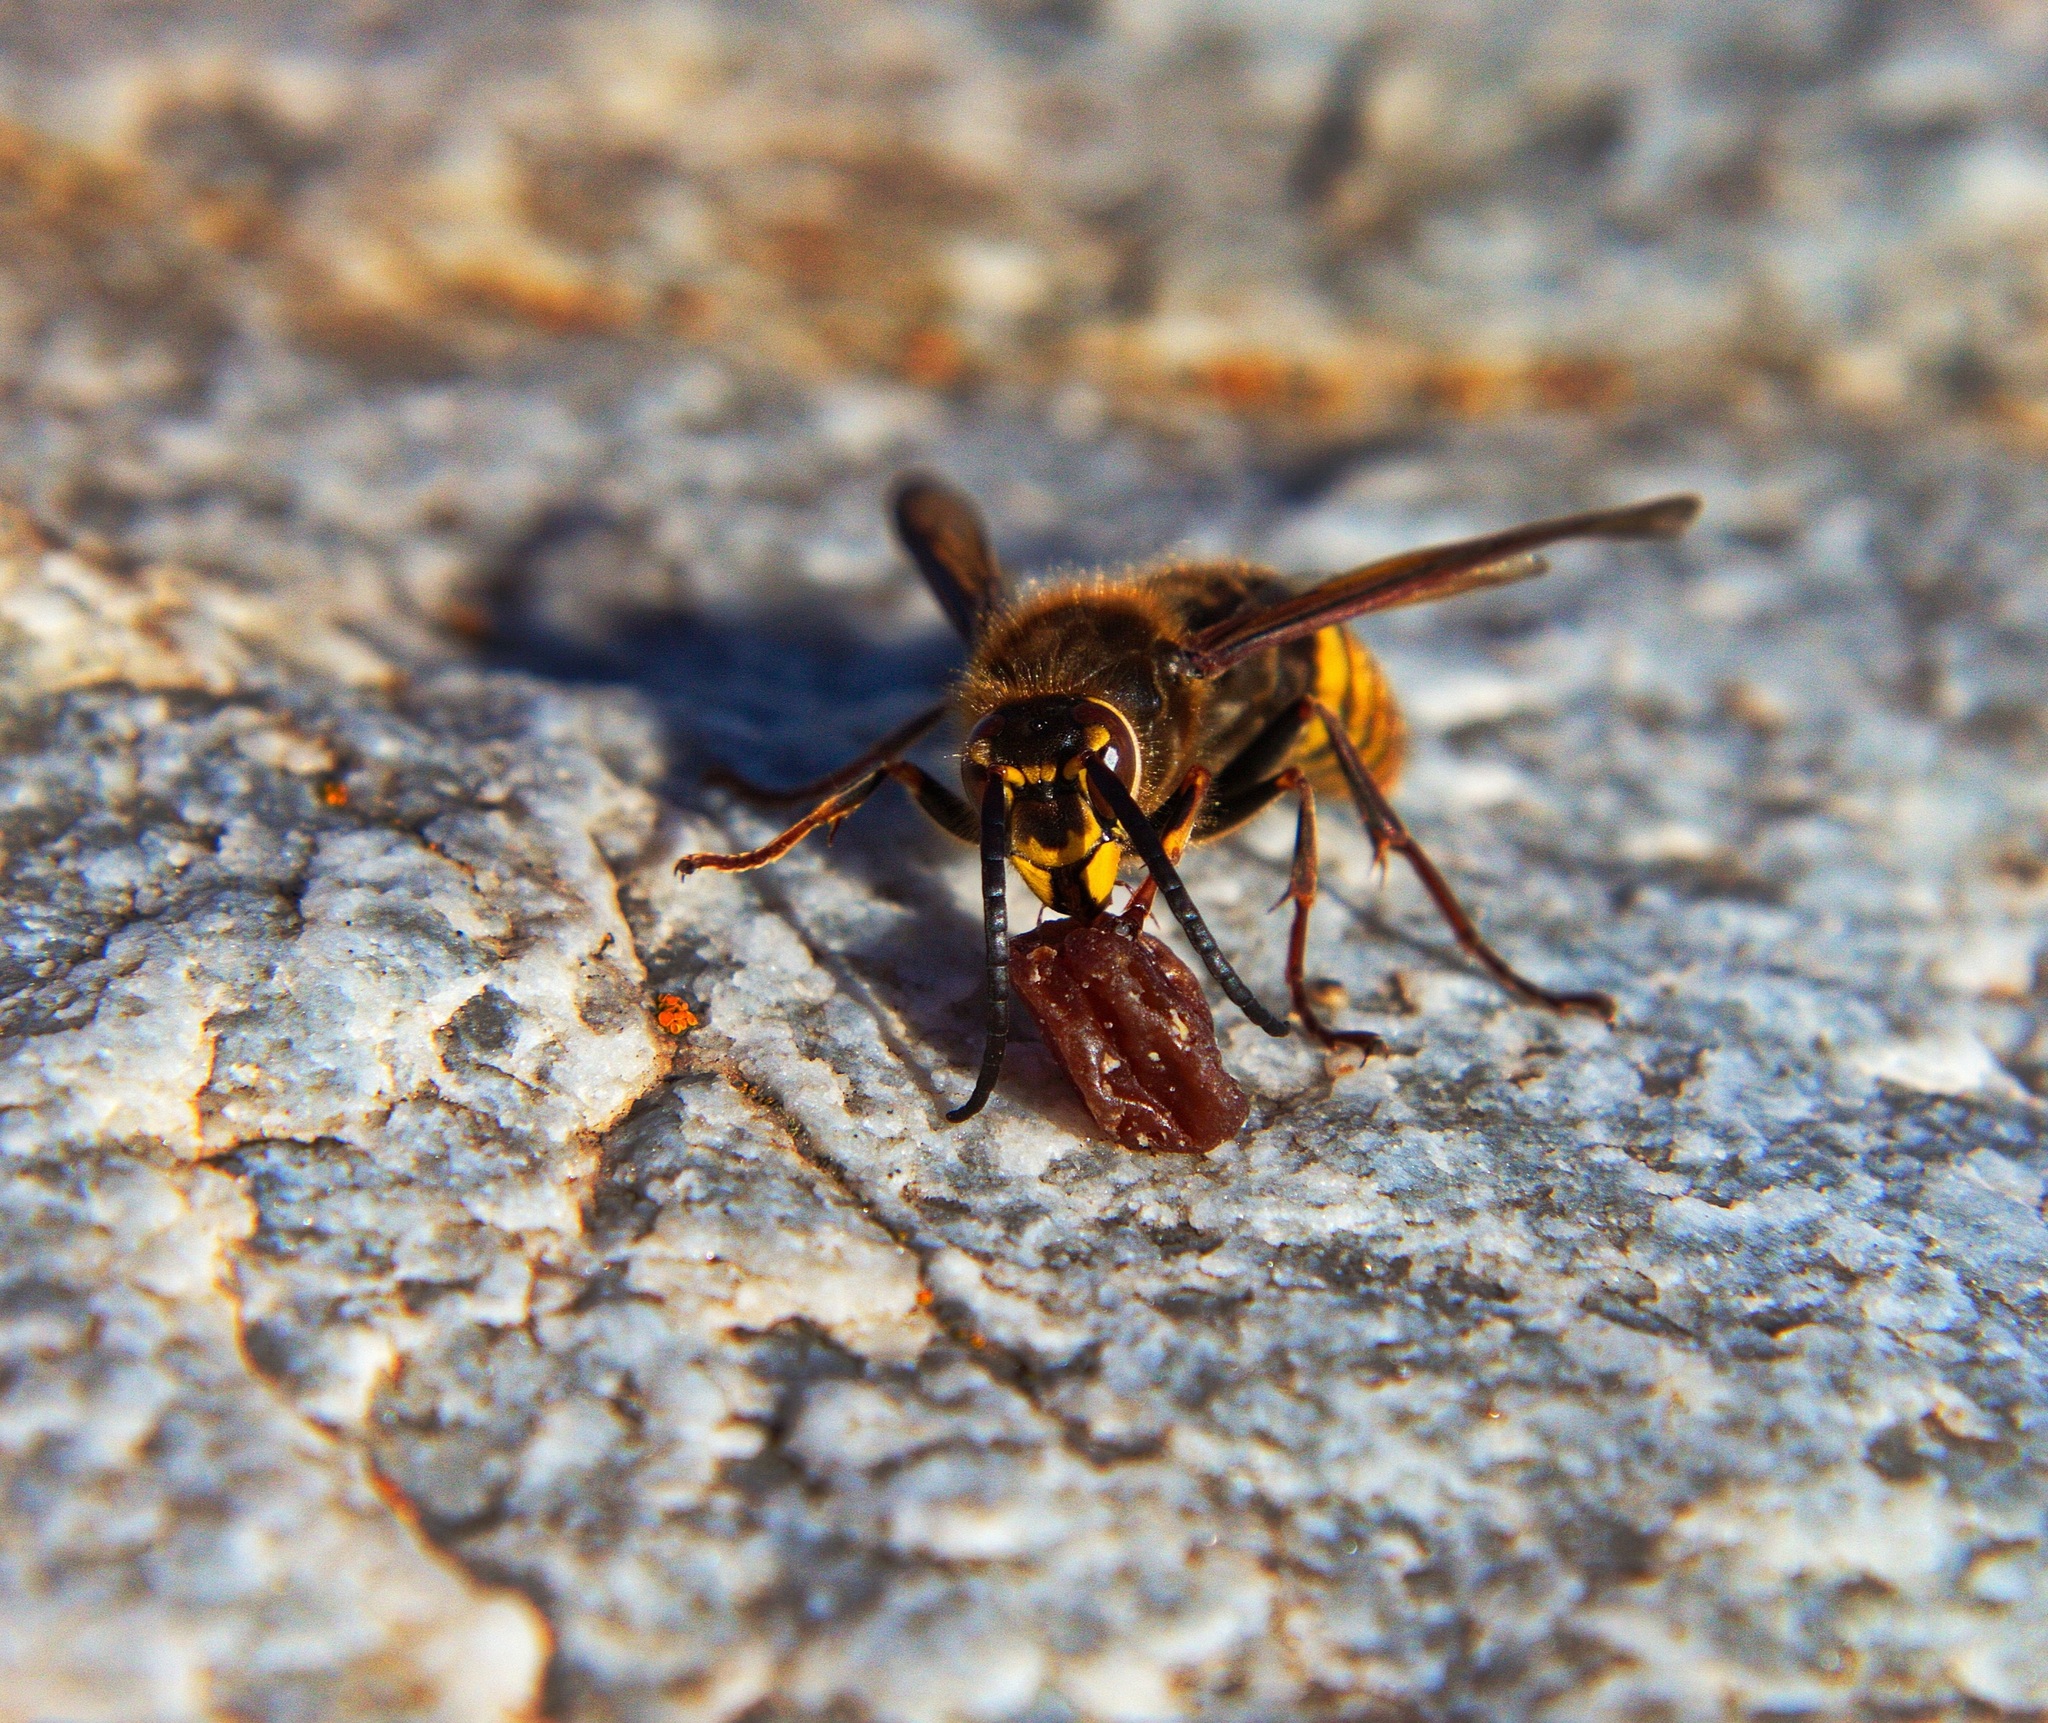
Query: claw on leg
(1301, 892)
(828, 814)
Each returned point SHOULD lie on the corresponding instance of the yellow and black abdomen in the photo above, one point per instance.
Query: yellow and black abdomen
(1347, 679)
(1239, 706)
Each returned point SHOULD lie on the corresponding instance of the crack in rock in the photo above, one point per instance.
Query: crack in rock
(445, 438)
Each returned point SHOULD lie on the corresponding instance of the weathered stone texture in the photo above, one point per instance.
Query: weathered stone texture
(435, 435)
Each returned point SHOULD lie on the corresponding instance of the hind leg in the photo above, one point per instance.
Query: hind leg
(1388, 833)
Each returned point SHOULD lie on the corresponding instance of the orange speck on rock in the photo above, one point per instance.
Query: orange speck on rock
(690, 312)
(2023, 419)
(333, 793)
(393, 1496)
(1469, 388)
(1581, 385)
(923, 1297)
(933, 358)
(1248, 382)
(240, 225)
(468, 620)
(673, 1013)
(1483, 388)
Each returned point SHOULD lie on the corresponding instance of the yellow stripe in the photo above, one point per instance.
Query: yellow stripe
(1349, 681)
(1036, 878)
(1096, 878)
(1079, 841)
(1332, 684)
(1100, 873)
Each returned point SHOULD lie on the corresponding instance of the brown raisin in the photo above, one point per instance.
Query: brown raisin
(1126, 1021)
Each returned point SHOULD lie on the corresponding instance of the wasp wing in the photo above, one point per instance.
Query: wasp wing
(1422, 576)
(942, 530)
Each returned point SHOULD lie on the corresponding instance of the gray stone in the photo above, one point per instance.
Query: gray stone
(440, 437)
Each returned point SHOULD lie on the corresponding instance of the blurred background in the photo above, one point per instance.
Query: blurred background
(582, 341)
(588, 336)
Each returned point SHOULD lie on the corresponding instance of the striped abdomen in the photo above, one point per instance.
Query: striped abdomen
(1347, 678)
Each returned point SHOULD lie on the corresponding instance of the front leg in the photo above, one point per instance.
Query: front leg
(939, 804)
(898, 742)
(1246, 796)
(1177, 816)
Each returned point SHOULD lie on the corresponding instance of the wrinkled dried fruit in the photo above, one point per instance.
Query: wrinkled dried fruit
(1126, 1020)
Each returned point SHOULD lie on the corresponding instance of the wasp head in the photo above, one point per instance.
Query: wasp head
(1059, 831)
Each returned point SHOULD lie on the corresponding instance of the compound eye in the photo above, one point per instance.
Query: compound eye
(1110, 735)
(974, 762)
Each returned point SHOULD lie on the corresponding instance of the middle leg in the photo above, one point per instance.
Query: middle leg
(1301, 892)
(1176, 819)
(1232, 810)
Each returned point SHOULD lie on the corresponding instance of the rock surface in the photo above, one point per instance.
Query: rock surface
(455, 1269)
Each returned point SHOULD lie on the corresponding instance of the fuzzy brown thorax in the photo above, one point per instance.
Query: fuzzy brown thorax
(1112, 639)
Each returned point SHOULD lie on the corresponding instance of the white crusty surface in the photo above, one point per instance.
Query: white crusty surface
(435, 436)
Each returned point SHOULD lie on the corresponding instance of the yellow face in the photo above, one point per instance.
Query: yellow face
(1056, 838)
(1038, 749)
